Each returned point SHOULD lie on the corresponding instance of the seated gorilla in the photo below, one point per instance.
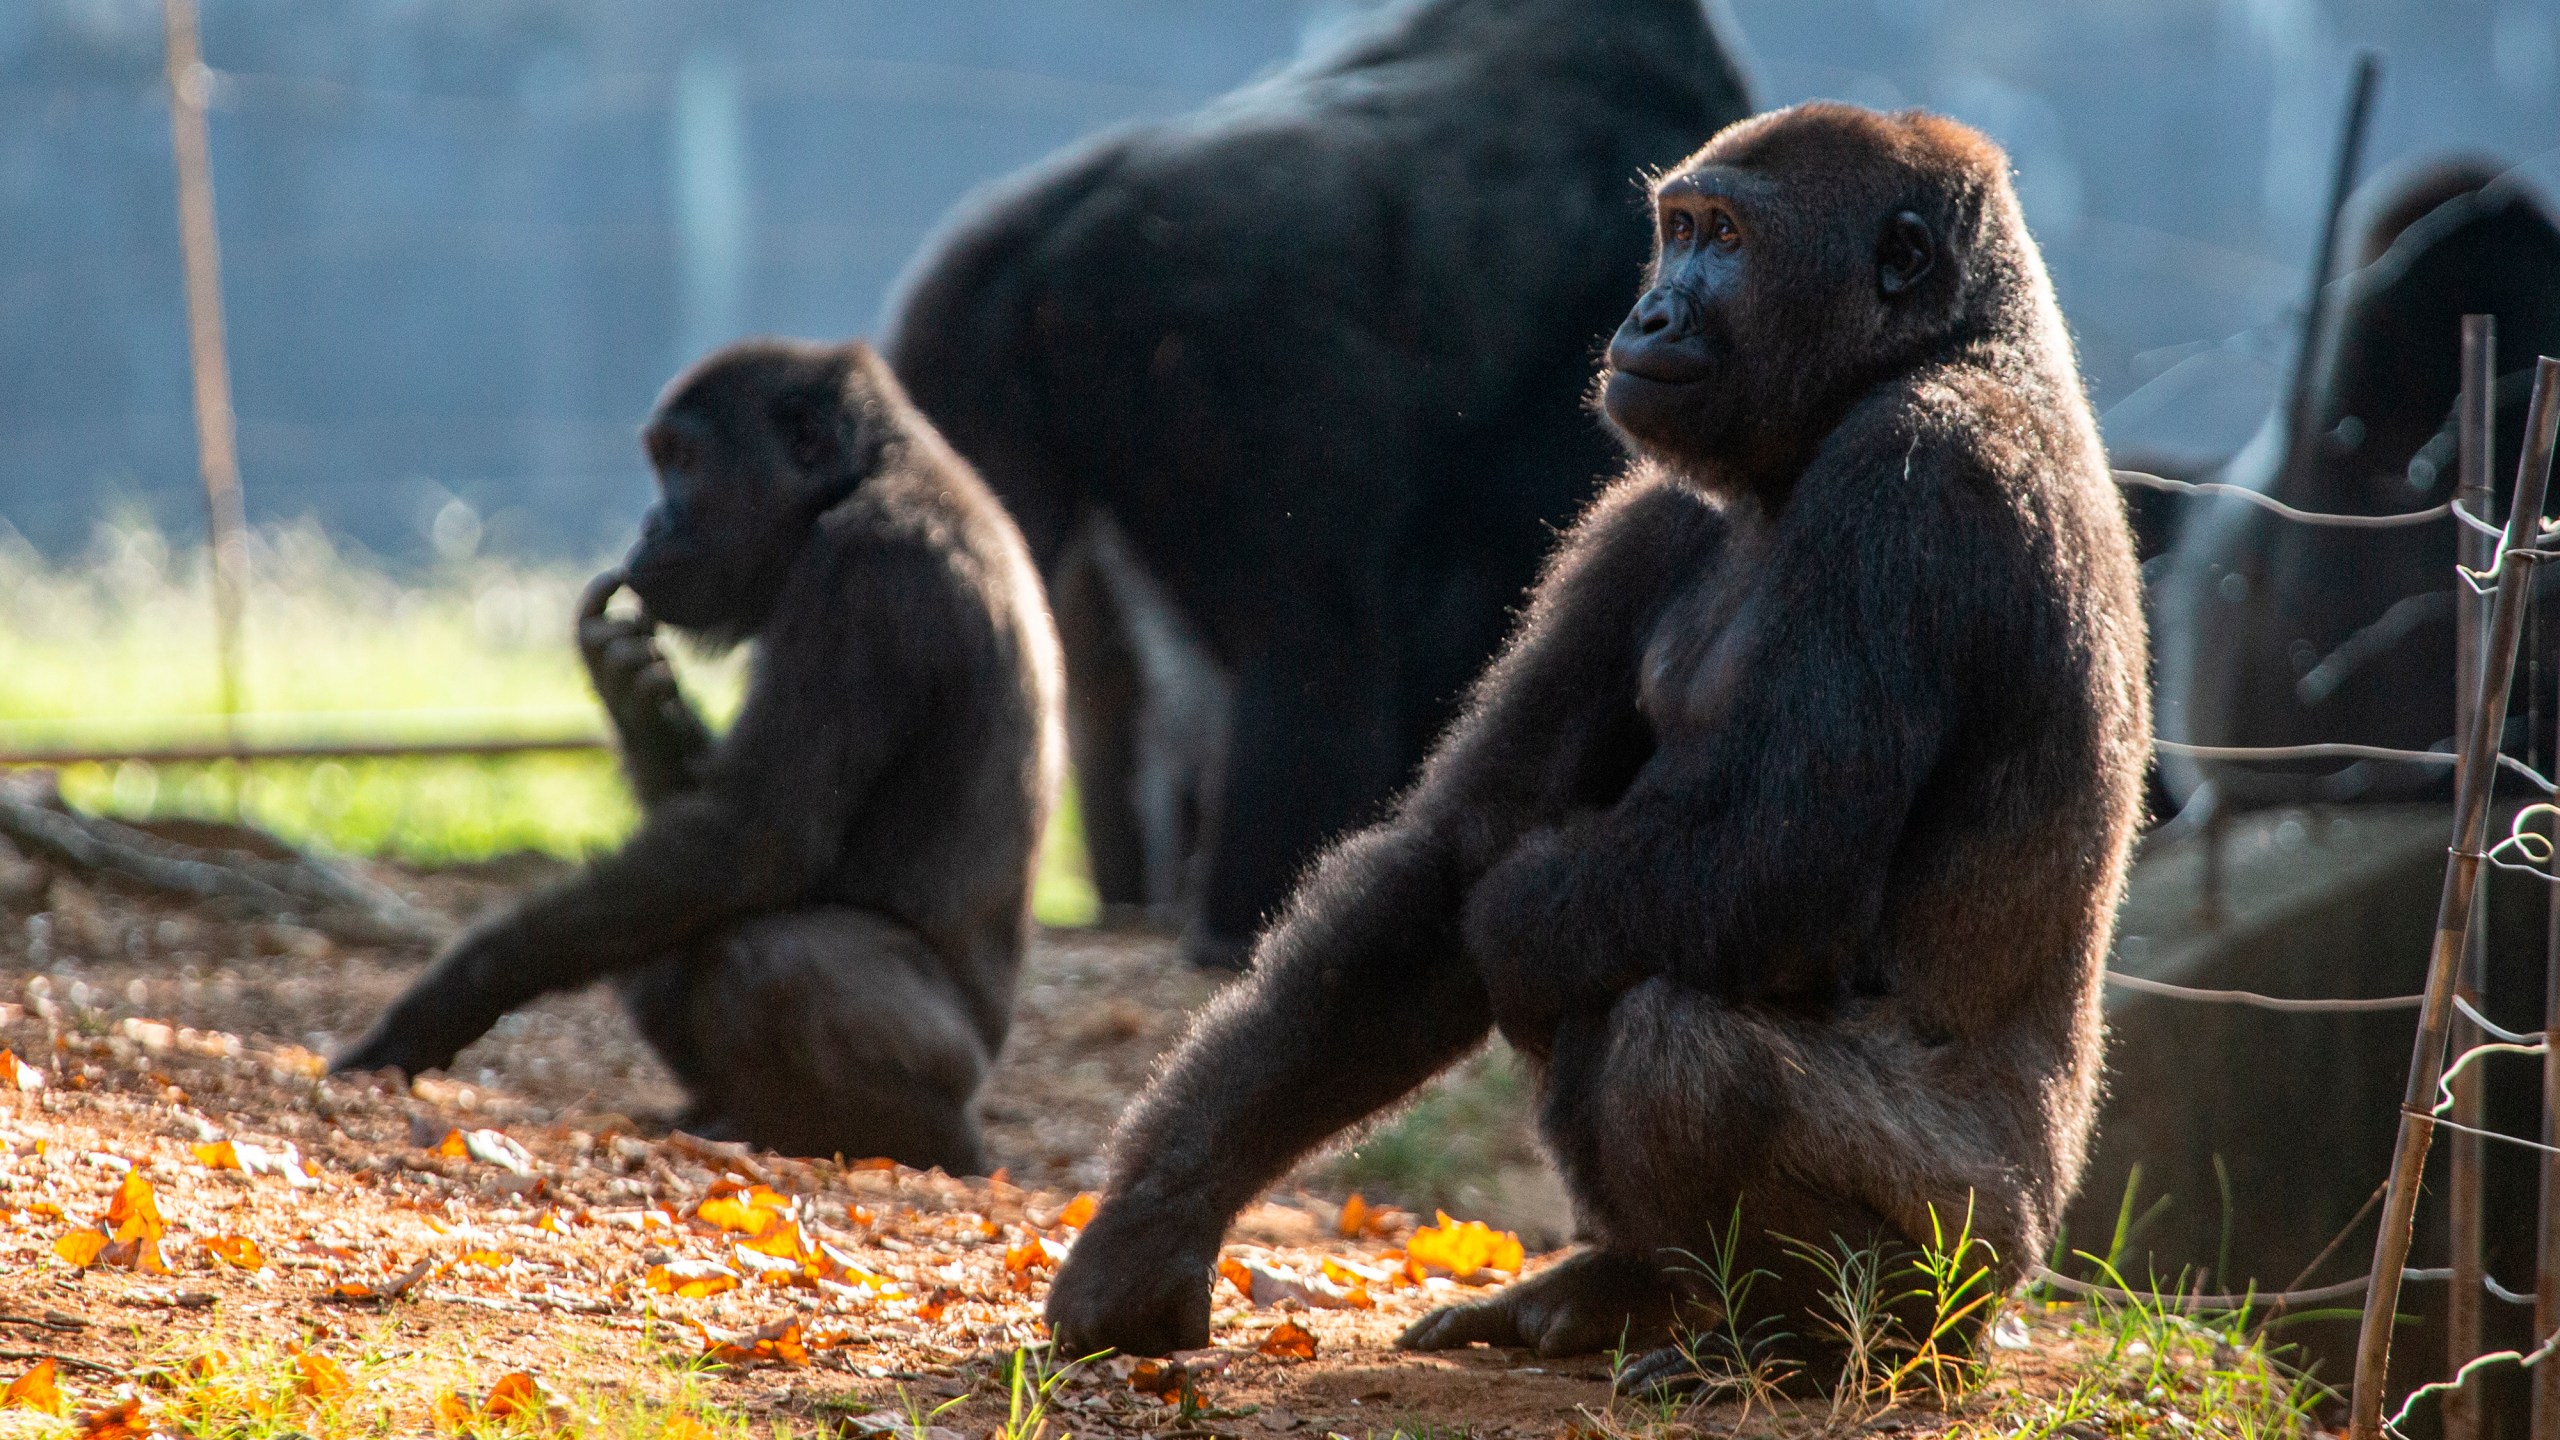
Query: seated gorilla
(1284, 396)
(1785, 838)
(819, 920)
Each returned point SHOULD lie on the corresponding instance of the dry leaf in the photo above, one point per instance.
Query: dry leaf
(691, 1279)
(1289, 1340)
(219, 1155)
(1461, 1249)
(18, 1074)
(516, 1393)
(778, 1343)
(1237, 1275)
(319, 1377)
(81, 1247)
(120, 1421)
(1080, 1211)
(1355, 1211)
(237, 1251)
(35, 1390)
(135, 1212)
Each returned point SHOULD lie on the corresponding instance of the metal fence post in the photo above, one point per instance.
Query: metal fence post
(2453, 911)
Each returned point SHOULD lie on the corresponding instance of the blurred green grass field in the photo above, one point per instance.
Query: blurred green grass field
(115, 648)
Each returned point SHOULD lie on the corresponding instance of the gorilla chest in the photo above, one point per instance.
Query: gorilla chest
(1699, 655)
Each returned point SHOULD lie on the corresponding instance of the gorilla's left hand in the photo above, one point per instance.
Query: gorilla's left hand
(1537, 959)
(444, 1010)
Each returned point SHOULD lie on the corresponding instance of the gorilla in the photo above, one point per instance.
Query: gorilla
(1284, 395)
(819, 920)
(2276, 633)
(1785, 836)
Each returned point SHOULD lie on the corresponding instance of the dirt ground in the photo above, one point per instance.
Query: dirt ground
(570, 1238)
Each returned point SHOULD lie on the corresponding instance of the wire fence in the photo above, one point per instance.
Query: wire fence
(2436, 1088)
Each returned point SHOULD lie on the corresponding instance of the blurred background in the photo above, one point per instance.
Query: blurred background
(464, 243)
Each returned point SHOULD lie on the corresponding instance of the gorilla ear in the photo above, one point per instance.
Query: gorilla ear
(807, 422)
(1905, 253)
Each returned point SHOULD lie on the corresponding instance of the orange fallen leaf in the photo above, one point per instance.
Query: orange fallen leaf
(691, 1279)
(516, 1393)
(453, 1147)
(135, 1212)
(1080, 1211)
(237, 1251)
(35, 1390)
(81, 1247)
(778, 1343)
(320, 1377)
(548, 1220)
(1162, 1378)
(876, 1162)
(1289, 1340)
(487, 1259)
(1032, 1256)
(218, 1155)
(1462, 1248)
(18, 1074)
(1237, 1275)
(676, 1425)
(1354, 1212)
(120, 1421)
(778, 1237)
(930, 1308)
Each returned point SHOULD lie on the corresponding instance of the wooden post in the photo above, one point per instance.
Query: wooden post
(2453, 910)
(2474, 413)
(217, 453)
(2545, 1377)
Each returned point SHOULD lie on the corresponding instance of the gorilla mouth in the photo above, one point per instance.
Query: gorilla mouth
(1657, 367)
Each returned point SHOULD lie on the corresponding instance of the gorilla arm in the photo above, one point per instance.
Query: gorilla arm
(1362, 990)
(1749, 859)
(824, 714)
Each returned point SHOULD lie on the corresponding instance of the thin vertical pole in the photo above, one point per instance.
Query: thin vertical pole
(2453, 910)
(2473, 416)
(217, 452)
(2545, 1377)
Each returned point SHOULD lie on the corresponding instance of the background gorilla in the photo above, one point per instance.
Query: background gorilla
(819, 920)
(2274, 633)
(1286, 396)
(1785, 838)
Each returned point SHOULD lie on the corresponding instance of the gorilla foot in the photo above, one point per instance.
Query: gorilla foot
(1597, 1300)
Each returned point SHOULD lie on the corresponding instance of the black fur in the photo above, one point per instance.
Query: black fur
(1786, 835)
(1316, 351)
(819, 921)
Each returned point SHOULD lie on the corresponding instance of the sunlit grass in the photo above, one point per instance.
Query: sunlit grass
(116, 648)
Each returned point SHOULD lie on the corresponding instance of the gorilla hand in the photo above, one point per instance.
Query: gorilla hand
(1124, 1288)
(447, 1008)
(623, 662)
(1536, 964)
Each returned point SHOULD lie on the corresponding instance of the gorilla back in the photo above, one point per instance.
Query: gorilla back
(1318, 353)
(819, 920)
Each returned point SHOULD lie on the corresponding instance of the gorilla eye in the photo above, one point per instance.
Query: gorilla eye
(1721, 232)
(670, 452)
(1679, 228)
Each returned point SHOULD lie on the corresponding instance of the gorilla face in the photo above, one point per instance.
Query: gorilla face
(1768, 302)
(747, 455)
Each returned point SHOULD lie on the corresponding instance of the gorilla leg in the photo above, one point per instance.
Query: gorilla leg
(821, 1032)
(1668, 1116)
(1103, 697)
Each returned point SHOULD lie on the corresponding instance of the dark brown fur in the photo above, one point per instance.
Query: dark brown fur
(1785, 838)
(819, 921)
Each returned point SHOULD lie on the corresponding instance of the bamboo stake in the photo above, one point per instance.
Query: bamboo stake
(2473, 415)
(2453, 911)
(217, 452)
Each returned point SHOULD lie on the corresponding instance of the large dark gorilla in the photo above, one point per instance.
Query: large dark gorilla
(1285, 396)
(819, 920)
(1785, 837)
(2276, 633)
